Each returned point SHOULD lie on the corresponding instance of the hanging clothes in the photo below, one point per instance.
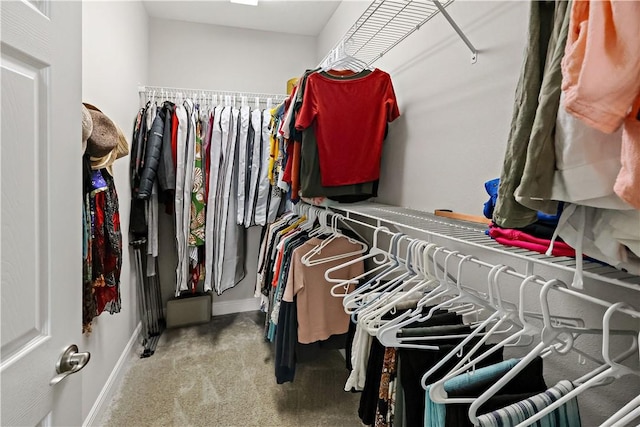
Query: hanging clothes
(335, 106)
(310, 175)
(212, 201)
(196, 227)
(106, 251)
(386, 396)
(254, 173)
(300, 308)
(230, 256)
(210, 164)
(102, 237)
(603, 41)
(267, 163)
(540, 72)
(526, 383)
(568, 415)
(179, 203)
(243, 159)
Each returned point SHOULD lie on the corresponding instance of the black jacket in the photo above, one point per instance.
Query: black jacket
(152, 152)
(166, 171)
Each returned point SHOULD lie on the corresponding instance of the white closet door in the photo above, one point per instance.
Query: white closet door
(41, 210)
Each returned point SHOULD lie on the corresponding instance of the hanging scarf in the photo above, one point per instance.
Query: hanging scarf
(106, 242)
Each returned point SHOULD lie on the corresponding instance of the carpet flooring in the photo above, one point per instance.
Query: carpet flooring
(222, 374)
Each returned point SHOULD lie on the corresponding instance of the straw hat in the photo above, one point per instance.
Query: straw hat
(87, 127)
(107, 142)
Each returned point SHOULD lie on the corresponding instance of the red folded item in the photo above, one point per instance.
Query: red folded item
(520, 239)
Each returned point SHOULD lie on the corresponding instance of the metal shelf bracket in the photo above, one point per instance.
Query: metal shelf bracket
(474, 51)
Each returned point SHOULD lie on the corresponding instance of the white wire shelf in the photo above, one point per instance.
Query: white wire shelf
(474, 235)
(386, 23)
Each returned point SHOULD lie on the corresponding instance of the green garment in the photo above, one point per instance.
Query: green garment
(527, 175)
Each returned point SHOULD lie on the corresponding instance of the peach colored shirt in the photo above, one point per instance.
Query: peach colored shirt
(601, 78)
(320, 314)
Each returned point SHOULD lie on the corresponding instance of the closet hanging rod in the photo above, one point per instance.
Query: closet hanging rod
(521, 276)
(473, 235)
(511, 271)
(187, 92)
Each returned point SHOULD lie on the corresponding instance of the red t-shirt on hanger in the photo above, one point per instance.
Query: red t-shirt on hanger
(349, 119)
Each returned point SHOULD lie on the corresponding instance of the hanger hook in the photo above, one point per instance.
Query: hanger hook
(521, 301)
(495, 284)
(425, 260)
(492, 273)
(606, 332)
(435, 269)
(548, 331)
(393, 244)
(446, 265)
(459, 275)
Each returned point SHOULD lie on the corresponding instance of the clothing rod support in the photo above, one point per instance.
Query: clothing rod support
(474, 51)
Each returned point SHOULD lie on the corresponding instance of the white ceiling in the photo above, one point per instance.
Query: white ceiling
(294, 17)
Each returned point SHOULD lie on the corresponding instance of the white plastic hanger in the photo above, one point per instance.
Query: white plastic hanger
(624, 415)
(322, 227)
(478, 328)
(549, 335)
(371, 316)
(311, 213)
(339, 59)
(529, 330)
(502, 314)
(438, 394)
(387, 334)
(377, 255)
(385, 291)
(462, 297)
(326, 228)
(613, 370)
(395, 266)
(310, 259)
(434, 293)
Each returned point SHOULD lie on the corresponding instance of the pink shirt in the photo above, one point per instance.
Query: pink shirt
(320, 314)
(601, 79)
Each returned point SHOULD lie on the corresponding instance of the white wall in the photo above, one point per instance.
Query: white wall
(456, 115)
(451, 137)
(201, 56)
(114, 48)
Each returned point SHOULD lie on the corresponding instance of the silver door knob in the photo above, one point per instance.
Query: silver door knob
(69, 363)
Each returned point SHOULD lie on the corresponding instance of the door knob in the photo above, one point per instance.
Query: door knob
(69, 363)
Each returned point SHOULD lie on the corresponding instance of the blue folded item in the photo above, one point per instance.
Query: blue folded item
(492, 189)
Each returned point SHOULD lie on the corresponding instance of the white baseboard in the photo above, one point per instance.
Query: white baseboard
(114, 380)
(236, 306)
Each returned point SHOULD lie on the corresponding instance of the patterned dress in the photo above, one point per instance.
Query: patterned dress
(387, 394)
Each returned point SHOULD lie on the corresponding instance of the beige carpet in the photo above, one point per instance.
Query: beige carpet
(222, 374)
